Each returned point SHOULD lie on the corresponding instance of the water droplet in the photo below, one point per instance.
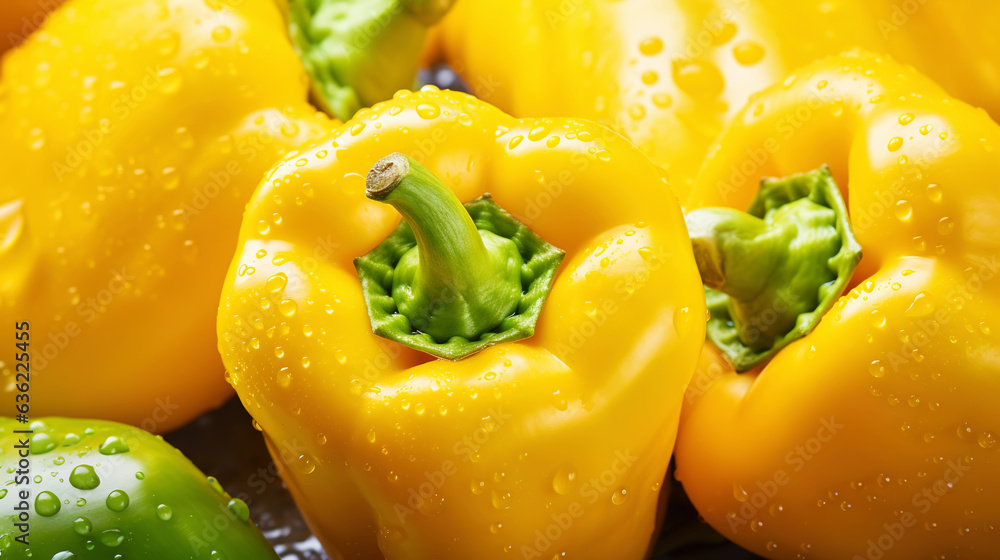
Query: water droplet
(477, 486)
(221, 33)
(514, 142)
(83, 477)
(934, 193)
(895, 144)
(112, 538)
(619, 496)
(170, 80)
(500, 499)
(113, 446)
(748, 53)
(697, 78)
(986, 440)
(117, 501)
(905, 118)
(926, 129)
(876, 368)
(904, 210)
(650, 77)
(650, 46)
(723, 34)
(428, 110)
(647, 254)
(41, 443)
(287, 307)
(239, 508)
(878, 318)
(82, 526)
(683, 320)
(284, 377)
(164, 512)
(276, 283)
(921, 306)
(945, 225)
(564, 480)
(289, 129)
(662, 100)
(305, 464)
(47, 504)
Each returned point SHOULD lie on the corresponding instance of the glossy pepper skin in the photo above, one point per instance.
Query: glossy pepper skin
(411, 457)
(132, 153)
(876, 434)
(670, 75)
(100, 490)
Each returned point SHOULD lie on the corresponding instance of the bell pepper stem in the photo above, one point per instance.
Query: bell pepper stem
(452, 254)
(732, 250)
(738, 255)
(461, 281)
(360, 52)
(773, 271)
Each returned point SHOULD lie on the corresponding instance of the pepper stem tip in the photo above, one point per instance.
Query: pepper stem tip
(386, 175)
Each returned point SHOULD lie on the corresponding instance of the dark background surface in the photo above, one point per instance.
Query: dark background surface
(225, 445)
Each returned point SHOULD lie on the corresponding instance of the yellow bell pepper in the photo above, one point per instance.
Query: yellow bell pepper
(874, 436)
(537, 447)
(670, 74)
(134, 133)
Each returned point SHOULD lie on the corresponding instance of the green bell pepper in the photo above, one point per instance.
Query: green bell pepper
(88, 489)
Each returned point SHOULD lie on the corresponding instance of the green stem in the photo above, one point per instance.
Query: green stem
(458, 280)
(742, 256)
(773, 271)
(360, 52)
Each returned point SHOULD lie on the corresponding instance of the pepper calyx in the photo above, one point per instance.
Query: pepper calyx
(360, 52)
(451, 279)
(772, 272)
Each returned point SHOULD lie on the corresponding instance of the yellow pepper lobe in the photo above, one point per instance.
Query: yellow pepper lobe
(881, 419)
(597, 59)
(406, 456)
(140, 160)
